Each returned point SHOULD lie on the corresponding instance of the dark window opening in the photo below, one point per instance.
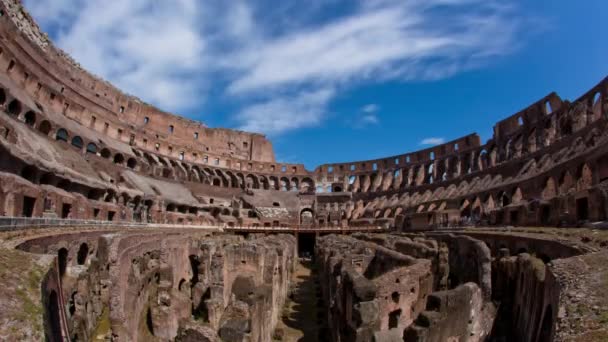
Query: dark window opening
(111, 215)
(83, 252)
(28, 206)
(395, 297)
(92, 148)
(62, 261)
(393, 319)
(14, 107)
(30, 118)
(62, 135)
(54, 317)
(65, 210)
(514, 217)
(545, 214)
(77, 142)
(45, 127)
(582, 209)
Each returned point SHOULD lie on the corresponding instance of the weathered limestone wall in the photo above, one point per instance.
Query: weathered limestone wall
(529, 297)
(372, 292)
(158, 286)
(418, 247)
(469, 260)
(452, 315)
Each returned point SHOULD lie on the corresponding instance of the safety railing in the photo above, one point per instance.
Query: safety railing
(14, 223)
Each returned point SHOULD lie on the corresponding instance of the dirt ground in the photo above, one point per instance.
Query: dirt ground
(302, 315)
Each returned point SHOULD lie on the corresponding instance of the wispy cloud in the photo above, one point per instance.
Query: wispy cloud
(276, 62)
(285, 113)
(370, 108)
(150, 49)
(432, 141)
(367, 116)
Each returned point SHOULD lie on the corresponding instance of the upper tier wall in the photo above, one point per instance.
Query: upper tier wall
(53, 77)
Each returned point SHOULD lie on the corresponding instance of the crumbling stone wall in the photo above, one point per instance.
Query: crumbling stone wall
(371, 291)
(158, 286)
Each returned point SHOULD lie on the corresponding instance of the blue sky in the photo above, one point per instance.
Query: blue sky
(338, 80)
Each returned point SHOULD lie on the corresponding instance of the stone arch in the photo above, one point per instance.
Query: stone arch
(284, 184)
(131, 163)
(91, 148)
(295, 184)
(306, 217)
(274, 182)
(62, 135)
(77, 142)
(307, 184)
(264, 183)
(105, 153)
(119, 159)
(30, 118)
(251, 182)
(54, 317)
(45, 127)
(62, 261)
(503, 199)
(14, 107)
(83, 253)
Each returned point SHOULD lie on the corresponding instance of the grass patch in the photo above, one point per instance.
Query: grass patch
(103, 327)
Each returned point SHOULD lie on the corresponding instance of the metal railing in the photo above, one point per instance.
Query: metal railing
(8, 223)
(15, 223)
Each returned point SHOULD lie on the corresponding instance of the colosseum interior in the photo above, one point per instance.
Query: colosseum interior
(121, 222)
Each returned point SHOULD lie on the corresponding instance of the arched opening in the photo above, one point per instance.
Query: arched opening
(306, 217)
(131, 163)
(54, 317)
(14, 107)
(548, 109)
(92, 148)
(83, 252)
(62, 261)
(596, 99)
(306, 245)
(30, 118)
(45, 127)
(105, 153)
(119, 159)
(77, 142)
(2, 96)
(62, 135)
(393, 319)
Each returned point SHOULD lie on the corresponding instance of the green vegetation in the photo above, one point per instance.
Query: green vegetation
(21, 276)
(103, 327)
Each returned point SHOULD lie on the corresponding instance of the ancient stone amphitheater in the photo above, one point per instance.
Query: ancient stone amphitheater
(121, 222)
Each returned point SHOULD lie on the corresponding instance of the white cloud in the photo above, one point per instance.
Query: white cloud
(174, 53)
(370, 108)
(432, 141)
(286, 113)
(393, 39)
(370, 119)
(149, 49)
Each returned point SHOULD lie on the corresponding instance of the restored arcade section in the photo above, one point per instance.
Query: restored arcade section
(173, 230)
